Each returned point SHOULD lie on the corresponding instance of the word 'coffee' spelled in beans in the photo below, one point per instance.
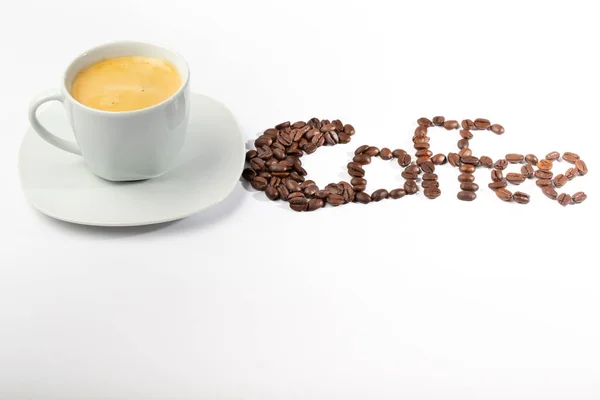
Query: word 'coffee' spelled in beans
(274, 166)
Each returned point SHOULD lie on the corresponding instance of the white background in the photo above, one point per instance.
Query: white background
(403, 299)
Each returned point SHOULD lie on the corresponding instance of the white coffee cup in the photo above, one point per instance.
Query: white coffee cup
(127, 145)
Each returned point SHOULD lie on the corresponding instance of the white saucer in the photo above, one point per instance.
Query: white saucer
(59, 184)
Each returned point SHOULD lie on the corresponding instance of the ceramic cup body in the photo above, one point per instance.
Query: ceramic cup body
(128, 145)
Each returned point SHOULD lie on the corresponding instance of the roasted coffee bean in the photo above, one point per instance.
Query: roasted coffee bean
(541, 174)
(285, 139)
(467, 124)
(545, 165)
(470, 160)
(327, 128)
(497, 129)
(348, 194)
(294, 152)
(404, 160)
(521, 198)
(466, 134)
(335, 199)
(372, 151)
(481, 123)
(499, 184)
(454, 159)
(550, 192)
(514, 158)
(579, 197)
(259, 183)
(496, 175)
(564, 199)
(265, 152)
(311, 133)
(423, 152)
(275, 181)
(322, 194)
(380, 194)
(265, 174)
(411, 187)
(451, 124)
(292, 186)
(363, 159)
(486, 161)
(315, 204)
(386, 154)
(543, 182)
(466, 152)
(272, 132)
(344, 137)
(362, 197)
(570, 157)
(428, 176)
(307, 183)
(297, 135)
(428, 166)
(439, 159)
(310, 148)
(358, 181)
(310, 191)
(438, 121)
(432, 192)
(466, 178)
(331, 138)
(560, 180)
(501, 164)
(300, 171)
(338, 125)
(398, 153)
(469, 186)
(314, 122)
(263, 140)
(250, 154)
(298, 125)
(279, 154)
(334, 188)
(291, 160)
(424, 122)
(414, 169)
(421, 160)
(466, 196)
(428, 184)
(359, 188)
(349, 129)
(270, 162)
(527, 170)
(283, 125)
(318, 137)
(257, 164)
(420, 140)
(409, 175)
(299, 203)
(283, 191)
(278, 167)
(272, 193)
(553, 155)
(571, 173)
(361, 149)
(420, 146)
(280, 174)
(397, 193)
(248, 174)
(581, 167)
(462, 144)
(531, 159)
(420, 131)
(504, 194)
(515, 178)
(467, 168)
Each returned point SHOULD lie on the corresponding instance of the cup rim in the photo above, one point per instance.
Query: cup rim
(184, 84)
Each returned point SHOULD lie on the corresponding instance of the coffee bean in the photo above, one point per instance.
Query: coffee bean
(439, 159)
(469, 186)
(348, 194)
(527, 170)
(571, 173)
(550, 192)
(514, 158)
(344, 137)
(543, 182)
(428, 184)
(501, 164)
(298, 124)
(318, 138)
(257, 164)
(466, 152)
(421, 160)
(570, 157)
(363, 198)
(419, 146)
(470, 160)
(248, 174)
(454, 159)
(272, 132)
(452, 124)
(335, 199)
(420, 140)
(327, 128)
(263, 140)
(280, 174)
(361, 149)
(283, 125)
(386, 154)
(283, 191)
(466, 177)
(564, 199)
(314, 122)
(315, 204)
(424, 122)
(438, 121)
(265, 152)
(358, 181)
(310, 148)
(428, 176)
(466, 134)
(560, 180)
(349, 129)
(410, 187)
(279, 154)
(398, 153)
(359, 188)
(380, 194)
(404, 160)
(275, 181)
(292, 186)
(428, 166)
(541, 174)
(285, 139)
(466, 196)
(334, 188)
(481, 123)
(531, 159)
(581, 167)
(496, 175)
(372, 151)
(462, 144)
(497, 129)
(272, 193)
(259, 183)
(423, 152)
(504, 194)
(363, 159)
(552, 156)
(545, 165)
(338, 125)
(300, 171)
(322, 194)
(579, 197)
(467, 168)
(467, 124)
(414, 169)
(278, 167)
(270, 162)
(521, 198)
(291, 160)
(332, 138)
(355, 169)
(307, 183)
(420, 131)
(432, 192)
(397, 193)
(265, 174)
(486, 161)
(250, 154)
(515, 178)
(311, 133)
(409, 175)
(299, 203)
(310, 191)
(499, 184)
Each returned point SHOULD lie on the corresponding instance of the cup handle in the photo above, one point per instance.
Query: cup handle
(54, 95)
